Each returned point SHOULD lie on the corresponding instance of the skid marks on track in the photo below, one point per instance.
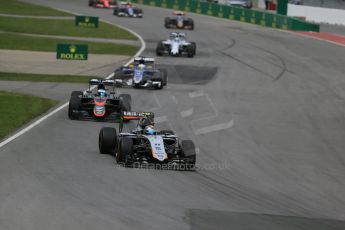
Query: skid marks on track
(275, 69)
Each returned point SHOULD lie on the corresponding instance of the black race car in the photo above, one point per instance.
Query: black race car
(146, 147)
(126, 9)
(179, 21)
(142, 73)
(103, 3)
(102, 105)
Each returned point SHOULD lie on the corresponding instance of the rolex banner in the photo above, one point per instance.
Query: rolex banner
(86, 21)
(72, 52)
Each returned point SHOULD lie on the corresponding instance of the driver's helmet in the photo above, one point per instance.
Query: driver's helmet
(149, 130)
(175, 37)
(146, 121)
(141, 66)
(101, 93)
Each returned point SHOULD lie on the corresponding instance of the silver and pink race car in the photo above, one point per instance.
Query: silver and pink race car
(145, 146)
(100, 104)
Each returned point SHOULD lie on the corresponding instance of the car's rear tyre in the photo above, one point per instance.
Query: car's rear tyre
(119, 74)
(188, 151)
(76, 93)
(191, 23)
(107, 140)
(160, 49)
(140, 11)
(126, 102)
(167, 23)
(158, 77)
(161, 85)
(125, 149)
(165, 76)
(92, 3)
(191, 50)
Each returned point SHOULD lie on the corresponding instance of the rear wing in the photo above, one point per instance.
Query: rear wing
(144, 60)
(106, 82)
(130, 115)
(101, 81)
(181, 13)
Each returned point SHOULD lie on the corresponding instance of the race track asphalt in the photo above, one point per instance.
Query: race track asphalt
(264, 107)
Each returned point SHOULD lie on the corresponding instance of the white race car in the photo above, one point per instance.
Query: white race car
(176, 45)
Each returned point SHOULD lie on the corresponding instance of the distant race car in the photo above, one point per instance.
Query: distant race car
(179, 21)
(141, 74)
(176, 45)
(103, 3)
(296, 2)
(126, 9)
(146, 146)
(241, 3)
(101, 105)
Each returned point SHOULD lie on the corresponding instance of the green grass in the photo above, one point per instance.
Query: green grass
(62, 27)
(22, 42)
(43, 77)
(18, 109)
(21, 8)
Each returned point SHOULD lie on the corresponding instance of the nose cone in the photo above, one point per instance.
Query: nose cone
(180, 24)
(174, 48)
(130, 11)
(138, 76)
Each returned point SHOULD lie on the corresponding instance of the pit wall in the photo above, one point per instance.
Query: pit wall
(257, 17)
(317, 14)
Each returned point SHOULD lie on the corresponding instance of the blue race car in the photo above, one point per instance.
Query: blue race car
(126, 9)
(141, 74)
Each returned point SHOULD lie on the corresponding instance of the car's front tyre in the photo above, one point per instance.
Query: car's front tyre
(74, 104)
(107, 140)
(125, 150)
(188, 151)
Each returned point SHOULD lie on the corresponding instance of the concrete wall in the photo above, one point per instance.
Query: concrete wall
(317, 14)
(334, 4)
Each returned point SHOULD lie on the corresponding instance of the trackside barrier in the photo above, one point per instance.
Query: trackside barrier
(234, 13)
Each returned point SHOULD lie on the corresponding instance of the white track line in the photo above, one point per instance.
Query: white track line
(214, 128)
(187, 113)
(45, 117)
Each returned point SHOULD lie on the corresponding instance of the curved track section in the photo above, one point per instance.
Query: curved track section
(264, 107)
